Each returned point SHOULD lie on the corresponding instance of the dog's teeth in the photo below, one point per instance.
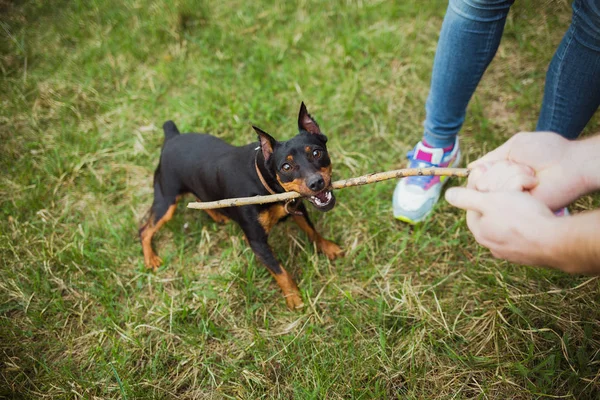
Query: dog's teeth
(327, 196)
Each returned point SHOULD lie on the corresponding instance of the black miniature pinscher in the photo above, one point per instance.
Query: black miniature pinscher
(212, 169)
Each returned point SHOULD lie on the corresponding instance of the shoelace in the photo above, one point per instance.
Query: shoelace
(420, 181)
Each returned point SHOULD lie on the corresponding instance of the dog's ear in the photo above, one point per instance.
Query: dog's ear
(267, 143)
(308, 124)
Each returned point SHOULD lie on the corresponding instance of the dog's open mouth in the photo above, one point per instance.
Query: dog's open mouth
(324, 200)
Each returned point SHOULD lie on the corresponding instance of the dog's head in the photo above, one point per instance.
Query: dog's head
(302, 163)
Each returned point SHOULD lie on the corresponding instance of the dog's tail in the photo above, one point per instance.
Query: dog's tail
(170, 130)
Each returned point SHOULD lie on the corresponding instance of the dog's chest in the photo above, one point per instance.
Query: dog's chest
(269, 217)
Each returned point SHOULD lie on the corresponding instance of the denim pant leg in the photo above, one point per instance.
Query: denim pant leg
(572, 90)
(469, 39)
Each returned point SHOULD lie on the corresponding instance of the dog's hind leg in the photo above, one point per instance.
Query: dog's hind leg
(162, 210)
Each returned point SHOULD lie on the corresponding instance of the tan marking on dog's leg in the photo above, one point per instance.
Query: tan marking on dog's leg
(329, 248)
(290, 290)
(151, 259)
(215, 215)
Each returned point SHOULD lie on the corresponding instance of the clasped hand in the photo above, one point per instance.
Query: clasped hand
(511, 194)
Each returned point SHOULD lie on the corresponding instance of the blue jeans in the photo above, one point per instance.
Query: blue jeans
(469, 38)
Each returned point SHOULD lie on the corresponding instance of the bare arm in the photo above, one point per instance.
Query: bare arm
(586, 152)
(575, 243)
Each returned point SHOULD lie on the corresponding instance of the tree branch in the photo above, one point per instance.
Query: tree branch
(358, 181)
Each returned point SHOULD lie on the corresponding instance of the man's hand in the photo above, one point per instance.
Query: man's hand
(502, 176)
(556, 161)
(509, 205)
(512, 224)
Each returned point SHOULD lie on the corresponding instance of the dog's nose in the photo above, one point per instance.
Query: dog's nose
(316, 183)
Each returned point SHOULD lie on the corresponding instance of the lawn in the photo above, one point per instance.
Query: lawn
(411, 313)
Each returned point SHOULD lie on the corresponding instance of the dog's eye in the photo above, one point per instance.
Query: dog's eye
(286, 167)
(316, 153)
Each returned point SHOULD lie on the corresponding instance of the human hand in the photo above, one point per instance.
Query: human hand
(514, 225)
(502, 176)
(552, 159)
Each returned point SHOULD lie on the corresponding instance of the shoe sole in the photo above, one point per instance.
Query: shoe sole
(408, 220)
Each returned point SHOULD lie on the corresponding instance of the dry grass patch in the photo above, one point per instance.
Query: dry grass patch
(411, 313)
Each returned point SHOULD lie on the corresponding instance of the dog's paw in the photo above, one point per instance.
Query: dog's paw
(330, 249)
(153, 262)
(293, 300)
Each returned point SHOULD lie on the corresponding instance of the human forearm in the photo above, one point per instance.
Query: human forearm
(574, 243)
(586, 163)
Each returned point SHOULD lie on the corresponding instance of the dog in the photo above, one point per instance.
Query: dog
(211, 169)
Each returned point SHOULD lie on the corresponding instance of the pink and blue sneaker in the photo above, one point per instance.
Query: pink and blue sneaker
(415, 196)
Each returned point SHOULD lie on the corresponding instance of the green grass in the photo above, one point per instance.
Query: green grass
(408, 313)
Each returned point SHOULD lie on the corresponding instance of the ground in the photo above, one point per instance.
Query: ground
(409, 313)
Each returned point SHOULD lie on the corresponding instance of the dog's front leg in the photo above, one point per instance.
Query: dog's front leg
(257, 238)
(331, 250)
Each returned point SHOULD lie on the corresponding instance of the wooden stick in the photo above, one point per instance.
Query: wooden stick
(361, 180)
